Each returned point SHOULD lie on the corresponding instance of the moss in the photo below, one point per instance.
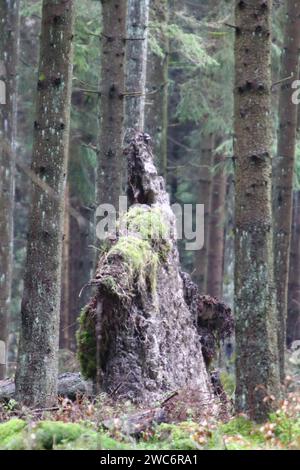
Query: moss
(140, 259)
(228, 382)
(10, 431)
(149, 223)
(287, 428)
(174, 436)
(50, 433)
(86, 341)
(237, 434)
(46, 435)
(239, 425)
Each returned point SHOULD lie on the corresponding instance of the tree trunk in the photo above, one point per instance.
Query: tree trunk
(148, 342)
(136, 62)
(65, 282)
(257, 370)
(215, 264)
(9, 46)
(82, 266)
(228, 280)
(36, 377)
(284, 171)
(156, 111)
(204, 190)
(293, 323)
(109, 171)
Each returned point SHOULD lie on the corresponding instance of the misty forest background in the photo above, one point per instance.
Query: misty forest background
(211, 83)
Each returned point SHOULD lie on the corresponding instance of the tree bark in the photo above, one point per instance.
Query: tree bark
(65, 284)
(204, 191)
(293, 323)
(257, 369)
(156, 110)
(136, 62)
(215, 265)
(284, 170)
(9, 47)
(109, 171)
(36, 377)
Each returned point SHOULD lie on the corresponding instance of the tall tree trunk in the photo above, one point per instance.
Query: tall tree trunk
(257, 370)
(65, 281)
(204, 191)
(109, 171)
(293, 322)
(228, 279)
(156, 111)
(136, 63)
(82, 265)
(9, 45)
(36, 377)
(284, 171)
(215, 263)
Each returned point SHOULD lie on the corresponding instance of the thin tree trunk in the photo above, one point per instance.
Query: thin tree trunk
(156, 111)
(36, 377)
(65, 293)
(284, 171)
(204, 191)
(81, 258)
(257, 371)
(136, 62)
(9, 46)
(293, 323)
(215, 263)
(109, 171)
(228, 281)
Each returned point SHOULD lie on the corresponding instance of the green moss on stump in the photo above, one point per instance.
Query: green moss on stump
(86, 341)
(128, 266)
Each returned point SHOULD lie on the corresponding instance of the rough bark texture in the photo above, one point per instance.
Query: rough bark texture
(65, 284)
(284, 170)
(136, 62)
(204, 190)
(212, 318)
(36, 377)
(9, 45)
(109, 172)
(257, 368)
(156, 109)
(149, 344)
(293, 323)
(214, 286)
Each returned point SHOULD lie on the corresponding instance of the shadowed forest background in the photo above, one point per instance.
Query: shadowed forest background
(137, 343)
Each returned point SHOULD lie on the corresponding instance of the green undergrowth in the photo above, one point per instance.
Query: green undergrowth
(281, 432)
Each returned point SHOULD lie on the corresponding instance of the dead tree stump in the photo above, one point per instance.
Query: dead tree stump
(137, 336)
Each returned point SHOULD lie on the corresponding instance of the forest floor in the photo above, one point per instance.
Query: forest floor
(80, 425)
(103, 424)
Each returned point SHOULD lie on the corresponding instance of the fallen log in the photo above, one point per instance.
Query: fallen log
(70, 385)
